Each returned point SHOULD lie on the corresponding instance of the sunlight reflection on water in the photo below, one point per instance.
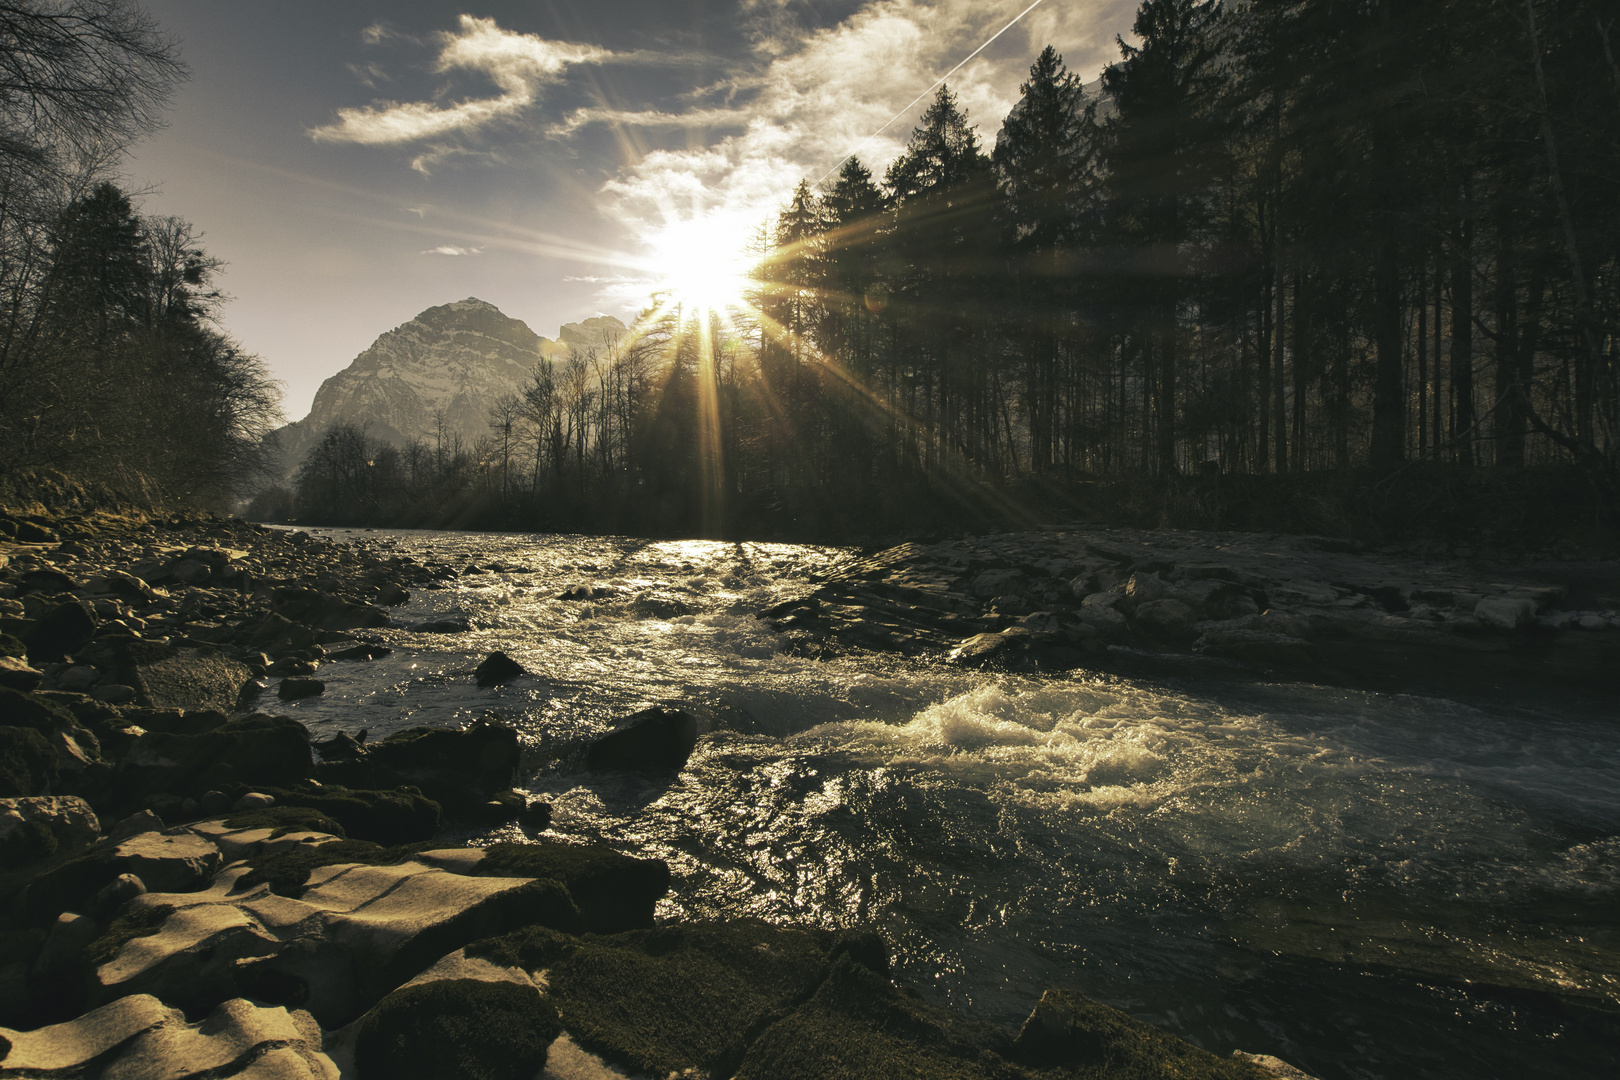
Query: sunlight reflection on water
(1270, 867)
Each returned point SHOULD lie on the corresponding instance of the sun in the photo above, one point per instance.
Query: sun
(703, 263)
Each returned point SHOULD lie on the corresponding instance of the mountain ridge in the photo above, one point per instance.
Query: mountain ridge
(450, 362)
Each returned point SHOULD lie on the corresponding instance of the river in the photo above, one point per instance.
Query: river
(1364, 884)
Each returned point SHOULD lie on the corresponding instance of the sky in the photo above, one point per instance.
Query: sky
(356, 163)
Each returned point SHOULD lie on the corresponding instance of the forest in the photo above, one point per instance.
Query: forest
(114, 370)
(1281, 238)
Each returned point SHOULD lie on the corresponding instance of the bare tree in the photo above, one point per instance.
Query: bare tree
(79, 76)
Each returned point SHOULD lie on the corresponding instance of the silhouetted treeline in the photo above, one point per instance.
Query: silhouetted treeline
(112, 367)
(1284, 237)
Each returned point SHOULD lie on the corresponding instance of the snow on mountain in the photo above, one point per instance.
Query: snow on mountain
(456, 359)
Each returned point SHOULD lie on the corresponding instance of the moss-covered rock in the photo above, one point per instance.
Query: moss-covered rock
(684, 997)
(614, 892)
(27, 763)
(456, 1029)
(1071, 1035)
(858, 1026)
(138, 922)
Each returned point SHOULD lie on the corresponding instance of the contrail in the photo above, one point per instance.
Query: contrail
(840, 162)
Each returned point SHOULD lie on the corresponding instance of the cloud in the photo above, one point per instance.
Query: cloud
(815, 95)
(520, 66)
(648, 118)
(451, 249)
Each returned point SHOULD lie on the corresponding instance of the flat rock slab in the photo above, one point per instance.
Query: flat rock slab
(190, 680)
(140, 1037)
(169, 862)
(356, 932)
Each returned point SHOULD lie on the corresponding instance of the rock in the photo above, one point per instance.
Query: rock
(1276, 1066)
(115, 894)
(651, 741)
(455, 625)
(168, 678)
(30, 533)
(396, 816)
(1593, 622)
(254, 800)
(139, 1036)
(44, 581)
(1146, 588)
(185, 572)
(27, 763)
(60, 631)
(171, 862)
(67, 819)
(461, 769)
(57, 975)
(1168, 618)
(76, 679)
(391, 595)
(293, 688)
(258, 750)
(114, 693)
(457, 1028)
(349, 933)
(1069, 1030)
(278, 636)
(16, 674)
(999, 583)
(291, 665)
(1505, 613)
(497, 668)
(323, 611)
(72, 756)
(129, 586)
(1108, 624)
(1017, 648)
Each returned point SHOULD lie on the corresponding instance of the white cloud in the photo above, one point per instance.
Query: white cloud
(519, 65)
(451, 249)
(821, 94)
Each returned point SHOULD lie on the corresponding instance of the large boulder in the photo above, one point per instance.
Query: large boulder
(651, 741)
(461, 769)
(17, 674)
(60, 631)
(255, 751)
(189, 679)
(497, 668)
(324, 611)
(32, 828)
(27, 763)
(467, 1027)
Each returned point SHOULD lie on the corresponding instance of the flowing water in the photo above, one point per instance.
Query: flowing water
(1364, 884)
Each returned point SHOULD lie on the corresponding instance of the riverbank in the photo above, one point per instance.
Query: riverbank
(1241, 605)
(190, 883)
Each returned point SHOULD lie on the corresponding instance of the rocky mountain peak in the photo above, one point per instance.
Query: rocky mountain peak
(451, 361)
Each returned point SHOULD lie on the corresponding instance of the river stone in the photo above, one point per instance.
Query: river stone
(991, 583)
(140, 1037)
(60, 631)
(651, 741)
(16, 674)
(1168, 618)
(497, 668)
(27, 763)
(68, 818)
(294, 687)
(1505, 613)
